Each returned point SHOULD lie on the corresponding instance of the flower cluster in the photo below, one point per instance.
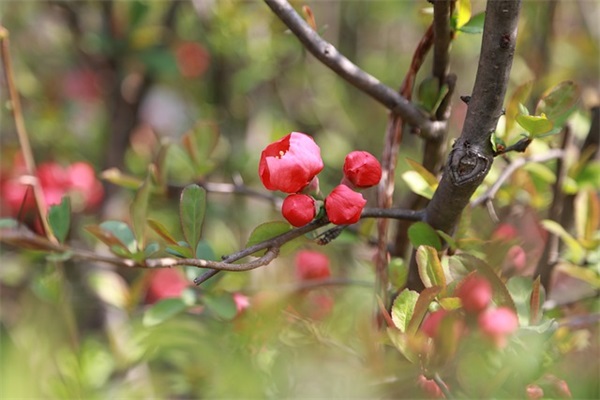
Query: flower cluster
(77, 180)
(292, 164)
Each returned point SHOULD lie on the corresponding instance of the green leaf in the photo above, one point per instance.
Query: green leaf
(475, 24)
(137, 11)
(122, 232)
(463, 13)
(267, 231)
(161, 230)
(116, 177)
(59, 218)
(427, 93)
(584, 274)
(536, 125)
(418, 184)
(223, 306)
(421, 233)
(403, 308)
(430, 267)
(110, 287)
(577, 252)
(199, 143)
(520, 289)
(8, 223)
(180, 250)
(515, 106)
(448, 239)
(138, 211)
(424, 172)
(192, 208)
(205, 251)
(421, 307)
(398, 271)
(559, 102)
(468, 263)
(162, 311)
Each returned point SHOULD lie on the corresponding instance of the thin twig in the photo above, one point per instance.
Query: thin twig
(22, 132)
(332, 58)
(510, 169)
(442, 385)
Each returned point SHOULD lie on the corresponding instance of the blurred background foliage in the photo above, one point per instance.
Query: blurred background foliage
(110, 82)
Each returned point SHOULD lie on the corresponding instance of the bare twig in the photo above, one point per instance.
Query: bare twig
(442, 385)
(329, 55)
(22, 132)
(510, 169)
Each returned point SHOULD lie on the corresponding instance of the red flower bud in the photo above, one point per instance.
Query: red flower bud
(475, 293)
(298, 209)
(362, 169)
(534, 392)
(290, 163)
(312, 265)
(498, 323)
(344, 205)
(165, 283)
(431, 323)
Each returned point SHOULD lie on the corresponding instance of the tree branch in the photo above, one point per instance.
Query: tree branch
(331, 57)
(472, 155)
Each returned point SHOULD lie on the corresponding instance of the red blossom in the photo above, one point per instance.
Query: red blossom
(298, 209)
(431, 323)
(312, 265)
(498, 323)
(290, 163)
(362, 169)
(344, 205)
(165, 283)
(192, 59)
(475, 293)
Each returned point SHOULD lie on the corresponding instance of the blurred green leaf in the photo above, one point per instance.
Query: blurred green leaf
(403, 308)
(577, 253)
(116, 177)
(137, 11)
(421, 307)
(463, 13)
(8, 223)
(162, 311)
(427, 93)
(587, 275)
(222, 305)
(520, 289)
(59, 218)
(180, 250)
(559, 102)
(162, 231)
(431, 180)
(199, 143)
(398, 271)
(421, 233)
(110, 287)
(515, 106)
(205, 251)
(418, 184)
(139, 211)
(192, 207)
(122, 232)
(267, 231)
(475, 24)
(587, 217)
(430, 267)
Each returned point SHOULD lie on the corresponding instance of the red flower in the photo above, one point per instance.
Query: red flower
(475, 293)
(298, 209)
(344, 205)
(362, 169)
(165, 283)
(290, 163)
(430, 387)
(534, 392)
(192, 59)
(312, 265)
(431, 324)
(497, 324)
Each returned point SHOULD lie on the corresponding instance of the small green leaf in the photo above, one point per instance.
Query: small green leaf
(151, 249)
(223, 306)
(110, 287)
(205, 251)
(536, 125)
(448, 239)
(8, 223)
(424, 172)
(515, 106)
(59, 218)
(428, 93)
(475, 24)
(577, 252)
(421, 307)
(421, 233)
(430, 267)
(520, 289)
(398, 271)
(122, 232)
(418, 184)
(138, 211)
(403, 308)
(192, 208)
(162, 311)
(161, 230)
(267, 231)
(180, 250)
(559, 102)
(116, 177)
(463, 13)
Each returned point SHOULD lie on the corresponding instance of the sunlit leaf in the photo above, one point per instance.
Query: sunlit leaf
(162, 311)
(519, 96)
(587, 275)
(403, 307)
(430, 267)
(421, 170)
(587, 214)
(559, 102)
(418, 184)
(421, 233)
(536, 125)
(116, 177)
(463, 13)
(421, 307)
(59, 218)
(192, 207)
(576, 250)
(110, 287)
(475, 24)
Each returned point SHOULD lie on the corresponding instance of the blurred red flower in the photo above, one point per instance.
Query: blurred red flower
(362, 169)
(192, 59)
(498, 323)
(165, 283)
(475, 293)
(344, 205)
(290, 163)
(312, 265)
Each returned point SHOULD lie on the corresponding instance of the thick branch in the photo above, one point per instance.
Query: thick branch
(329, 55)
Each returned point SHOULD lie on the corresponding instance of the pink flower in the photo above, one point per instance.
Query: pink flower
(241, 302)
(431, 324)
(290, 163)
(534, 392)
(344, 205)
(430, 387)
(498, 323)
(298, 209)
(362, 169)
(475, 293)
(312, 265)
(165, 283)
